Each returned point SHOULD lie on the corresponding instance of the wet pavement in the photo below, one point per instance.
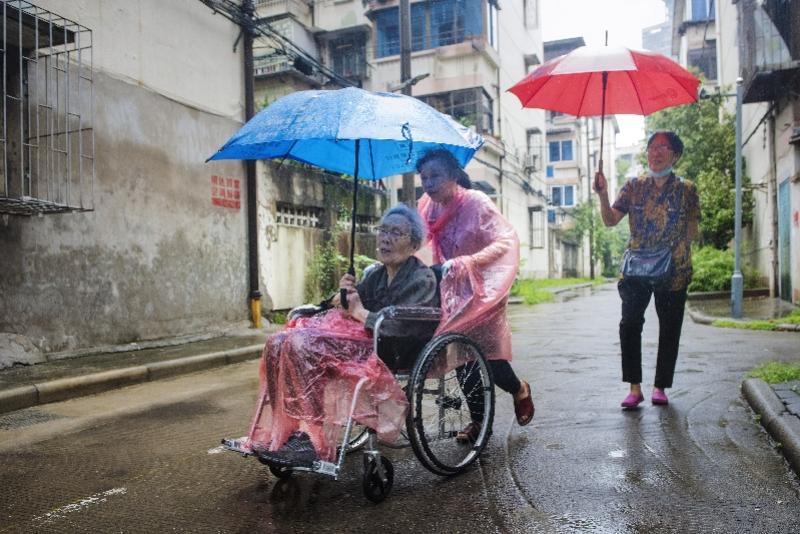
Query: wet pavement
(145, 458)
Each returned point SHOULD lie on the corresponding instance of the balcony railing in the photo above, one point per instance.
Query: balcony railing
(769, 55)
(271, 8)
(271, 65)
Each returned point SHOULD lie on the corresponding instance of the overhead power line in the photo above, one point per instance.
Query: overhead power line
(247, 22)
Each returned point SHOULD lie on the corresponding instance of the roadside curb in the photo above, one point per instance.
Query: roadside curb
(781, 425)
(79, 386)
(701, 318)
(698, 317)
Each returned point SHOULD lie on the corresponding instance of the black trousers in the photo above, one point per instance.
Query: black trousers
(504, 378)
(635, 297)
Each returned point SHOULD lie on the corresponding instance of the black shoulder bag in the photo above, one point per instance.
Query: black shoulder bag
(652, 265)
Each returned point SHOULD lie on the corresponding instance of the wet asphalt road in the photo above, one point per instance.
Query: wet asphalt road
(145, 458)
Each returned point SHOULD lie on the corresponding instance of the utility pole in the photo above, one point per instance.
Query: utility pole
(248, 11)
(737, 282)
(409, 189)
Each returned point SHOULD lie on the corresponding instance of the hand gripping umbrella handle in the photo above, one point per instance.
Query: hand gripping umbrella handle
(342, 291)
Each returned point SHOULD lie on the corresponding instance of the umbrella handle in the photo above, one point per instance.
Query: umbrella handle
(343, 292)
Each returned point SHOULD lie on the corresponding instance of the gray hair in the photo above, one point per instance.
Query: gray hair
(414, 220)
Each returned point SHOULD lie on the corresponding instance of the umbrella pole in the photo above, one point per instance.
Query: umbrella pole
(351, 269)
(602, 120)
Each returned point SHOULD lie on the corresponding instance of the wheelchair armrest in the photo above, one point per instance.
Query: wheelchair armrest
(404, 313)
(306, 310)
(411, 313)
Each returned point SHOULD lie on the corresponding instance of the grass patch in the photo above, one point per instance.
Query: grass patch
(533, 291)
(769, 324)
(776, 372)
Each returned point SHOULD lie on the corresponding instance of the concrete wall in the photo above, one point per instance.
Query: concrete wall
(340, 14)
(156, 258)
(287, 245)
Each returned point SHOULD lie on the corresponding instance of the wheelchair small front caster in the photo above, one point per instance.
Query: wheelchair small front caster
(276, 470)
(280, 472)
(377, 487)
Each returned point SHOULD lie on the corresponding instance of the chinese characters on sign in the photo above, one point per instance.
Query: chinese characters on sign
(225, 192)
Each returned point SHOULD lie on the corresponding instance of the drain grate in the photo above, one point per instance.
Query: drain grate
(23, 418)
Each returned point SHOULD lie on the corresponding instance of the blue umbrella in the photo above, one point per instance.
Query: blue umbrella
(352, 131)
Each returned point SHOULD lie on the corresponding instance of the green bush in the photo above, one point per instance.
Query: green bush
(713, 269)
(326, 268)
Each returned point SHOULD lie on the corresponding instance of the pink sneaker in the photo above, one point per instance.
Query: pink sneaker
(659, 397)
(632, 400)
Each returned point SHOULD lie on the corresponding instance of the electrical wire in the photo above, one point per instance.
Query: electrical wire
(237, 14)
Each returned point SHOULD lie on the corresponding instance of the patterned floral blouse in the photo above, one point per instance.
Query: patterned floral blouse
(656, 219)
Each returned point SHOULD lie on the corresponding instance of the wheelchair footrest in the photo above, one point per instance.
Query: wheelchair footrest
(237, 445)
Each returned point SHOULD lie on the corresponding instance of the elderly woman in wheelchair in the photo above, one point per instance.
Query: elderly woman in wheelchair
(366, 371)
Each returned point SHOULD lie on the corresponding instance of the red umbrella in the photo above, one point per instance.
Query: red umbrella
(595, 80)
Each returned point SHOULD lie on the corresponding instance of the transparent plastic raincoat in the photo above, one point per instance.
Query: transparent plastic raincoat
(485, 251)
(310, 369)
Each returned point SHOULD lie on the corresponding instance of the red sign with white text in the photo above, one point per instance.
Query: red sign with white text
(225, 192)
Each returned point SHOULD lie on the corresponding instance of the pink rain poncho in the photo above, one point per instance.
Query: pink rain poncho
(308, 375)
(485, 251)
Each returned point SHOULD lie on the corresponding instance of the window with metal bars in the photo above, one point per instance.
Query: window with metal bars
(433, 24)
(471, 107)
(46, 125)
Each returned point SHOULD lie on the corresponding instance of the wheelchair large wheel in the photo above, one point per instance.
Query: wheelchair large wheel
(443, 401)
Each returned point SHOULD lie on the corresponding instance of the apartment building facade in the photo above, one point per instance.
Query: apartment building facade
(464, 54)
(759, 42)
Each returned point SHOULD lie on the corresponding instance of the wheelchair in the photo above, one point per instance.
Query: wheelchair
(448, 384)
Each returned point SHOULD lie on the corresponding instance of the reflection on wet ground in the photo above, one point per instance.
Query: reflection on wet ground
(569, 294)
(752, 308)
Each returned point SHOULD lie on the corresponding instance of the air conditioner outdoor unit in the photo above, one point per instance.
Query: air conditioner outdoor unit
(532, 162)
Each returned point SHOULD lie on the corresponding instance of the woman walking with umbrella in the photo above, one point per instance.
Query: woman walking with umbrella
(663, 212)
(479, 252)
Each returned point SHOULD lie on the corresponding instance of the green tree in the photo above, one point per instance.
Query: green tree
(608, 243)
(708, 133)
(623, 166)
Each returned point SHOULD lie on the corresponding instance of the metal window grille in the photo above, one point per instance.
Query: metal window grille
(472, 107)
(47, 147)
(536, 226)
(303, 216)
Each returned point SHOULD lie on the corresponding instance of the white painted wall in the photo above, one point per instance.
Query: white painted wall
(156, 258)
(177, 48)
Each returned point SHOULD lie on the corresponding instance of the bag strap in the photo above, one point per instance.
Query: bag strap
(681, 211)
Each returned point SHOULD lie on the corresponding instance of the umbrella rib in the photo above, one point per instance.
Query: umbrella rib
(583, 96)
(537, 91)
(636, 92)
(693, 96)
(372, 159)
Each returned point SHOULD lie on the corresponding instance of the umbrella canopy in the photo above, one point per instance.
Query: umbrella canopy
(595, 80)
(351, 131)
(321, 128)
(638, 83)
